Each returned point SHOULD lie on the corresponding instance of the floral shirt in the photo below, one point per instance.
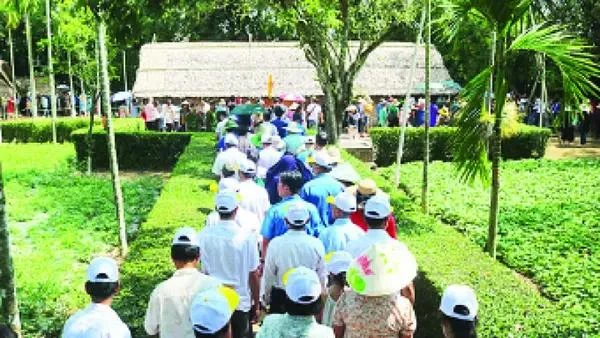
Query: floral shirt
(283, 326)
(370, 317)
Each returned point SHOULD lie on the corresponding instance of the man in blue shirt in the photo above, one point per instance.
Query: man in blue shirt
(322, 187)
(336, 236)
(274, 224)
(279, 123)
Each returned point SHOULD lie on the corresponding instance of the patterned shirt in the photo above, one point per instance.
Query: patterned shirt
(282, 326)
(374, 317)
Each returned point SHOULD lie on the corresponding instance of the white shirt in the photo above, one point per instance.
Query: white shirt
(337, 236)
(372, 236)
(230, 253)
(254, 199)
(314, 110)
(168, 312)
(267, 128)
(293, 249)
(95, 321)
(244, 218)
(267, 158)
(220, 128)
(231, 156)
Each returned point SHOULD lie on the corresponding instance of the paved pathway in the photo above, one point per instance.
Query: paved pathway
(557, 151)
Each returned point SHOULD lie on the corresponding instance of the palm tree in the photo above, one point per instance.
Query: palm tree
(51, 70)
(570, 54)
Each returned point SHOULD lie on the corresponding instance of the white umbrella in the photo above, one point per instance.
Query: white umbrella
(121, 96)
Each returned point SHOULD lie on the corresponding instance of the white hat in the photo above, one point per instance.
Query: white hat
(345, 172)
(302, 285)
(338, 261)
(186, 236)
(266, 139)
(378, 207)
(459, 295)
(229, 183)
(185, 102)
(309, 140)
(297, 214)
(231, 139)
(345, 201)
(103, 270)
(248, 167)
(226, 201)
(322, 159)
(211, 309)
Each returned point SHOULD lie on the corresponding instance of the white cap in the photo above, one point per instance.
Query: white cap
(345, 172)
(226, 201)
(297, 214)
(103, 270)
(231, 139)
(302, 285)
(346, 202)
(459, 295)
(185, 236)
(378, 207)
(338, 261)
(322, 159)
(266, 138)
(211, 309)
(229, 183)
(248, 167)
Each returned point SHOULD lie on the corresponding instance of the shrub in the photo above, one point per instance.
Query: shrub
(525, 142)
(135, 150)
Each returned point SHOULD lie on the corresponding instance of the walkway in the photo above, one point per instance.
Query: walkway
(557, 151)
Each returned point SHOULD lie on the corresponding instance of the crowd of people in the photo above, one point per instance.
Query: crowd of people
(298, 245)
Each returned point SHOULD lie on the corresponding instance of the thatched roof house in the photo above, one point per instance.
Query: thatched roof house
(221, 69)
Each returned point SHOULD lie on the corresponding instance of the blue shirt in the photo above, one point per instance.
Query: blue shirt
(316, 192)
(274, 223)
(336, 236)
(280, 125)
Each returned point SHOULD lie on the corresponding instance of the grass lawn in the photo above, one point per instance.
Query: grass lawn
(549, 223)
(59, 219)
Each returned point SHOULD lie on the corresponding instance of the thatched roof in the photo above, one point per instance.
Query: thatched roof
(221, 69)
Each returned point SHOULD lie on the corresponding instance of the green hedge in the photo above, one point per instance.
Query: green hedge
(526, 142)
(185, 201)
(510, 306)
(135, 150)
(39, 130)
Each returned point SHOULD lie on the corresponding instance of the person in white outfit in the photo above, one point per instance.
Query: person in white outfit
(98, 320)
(231, 157)
(244, 218)
(268, 156)
(254, 198)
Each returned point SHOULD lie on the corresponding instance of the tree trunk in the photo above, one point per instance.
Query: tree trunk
(90, 140)
(8, 294)
(71, 89)
(51, 70)
(32, 91)
(331, 124)
(425, 186)
(112, 150)
(12, 67)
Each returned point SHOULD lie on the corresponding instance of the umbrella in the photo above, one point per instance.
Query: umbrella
(248, 109)
(121, 96)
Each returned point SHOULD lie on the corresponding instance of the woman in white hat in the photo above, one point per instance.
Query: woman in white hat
(459, 312)
(374, 307)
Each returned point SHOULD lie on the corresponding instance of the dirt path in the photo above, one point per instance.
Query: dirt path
(557, 151)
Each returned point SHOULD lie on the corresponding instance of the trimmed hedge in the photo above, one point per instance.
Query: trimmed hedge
(39, 130)
(185, 200)
(135, 150)
(526, 142)
(510, 306)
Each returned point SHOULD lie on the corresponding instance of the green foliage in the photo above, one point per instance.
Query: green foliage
(185, 201)
(59, 220)
(138, 150)
(510, 306)
(525, 142)
(548, 226)
(42, 157)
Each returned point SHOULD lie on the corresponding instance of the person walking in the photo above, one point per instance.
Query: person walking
(337, 236)
(244, 218)
(293, 249)
(253, 197)
(314, 111)
(230, 253)
(336, 265)
(268, 156)
(168, 309)
(98, 319)
(231, 156)
(364, 190)
(459, 312)
(211, 312)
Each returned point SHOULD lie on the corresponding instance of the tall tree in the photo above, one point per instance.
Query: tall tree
(12, 19)
(26, 7)
(325, 29)
(570, 54)
(9, 310)
(51, 70)
(425, 186)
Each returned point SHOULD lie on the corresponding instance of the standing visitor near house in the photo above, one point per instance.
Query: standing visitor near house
(382, 113)
(459, 312)
(314, 111)
(293, 249)
(302, 303)
(336, 265)
(278, 122)
(185, 114)
(253, 197)
(168, 310)
(211, 312)
(393, 115)
(168, 112)
(364, 190)
(230, 253)
(373, 307)
(98, 319)
(337, 236)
